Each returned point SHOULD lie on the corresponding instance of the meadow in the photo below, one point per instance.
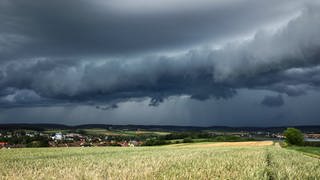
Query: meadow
(311, 151)
(241, 160)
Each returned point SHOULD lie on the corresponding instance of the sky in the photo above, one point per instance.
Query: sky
(160, 62)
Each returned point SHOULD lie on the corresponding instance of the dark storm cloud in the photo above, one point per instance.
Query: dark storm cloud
(156, 78)
(272, 101)
(94, 28)
(58, 52)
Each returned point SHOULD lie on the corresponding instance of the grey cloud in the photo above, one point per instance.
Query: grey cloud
(155, 78)
(272, 101)
(20, 97)
(296, 45)
(44, 28)
(268, 61)
(113, 106)
(155, 101)
(293, 82)
(242, 110)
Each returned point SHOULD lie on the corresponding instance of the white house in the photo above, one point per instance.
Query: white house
(57, 136)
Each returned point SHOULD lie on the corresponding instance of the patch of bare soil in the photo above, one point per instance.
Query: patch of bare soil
(227, 144)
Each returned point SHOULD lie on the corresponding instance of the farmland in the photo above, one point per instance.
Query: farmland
(312, 151)
(243, 160)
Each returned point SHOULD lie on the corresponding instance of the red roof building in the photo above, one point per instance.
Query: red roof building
(3, 144)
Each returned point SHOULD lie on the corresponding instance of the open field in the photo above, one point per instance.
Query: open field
(312, 151)
(225, 144)
(195, 161)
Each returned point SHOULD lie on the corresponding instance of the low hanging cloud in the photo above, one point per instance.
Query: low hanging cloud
(104, 108)
(77, 65)
(273, 101)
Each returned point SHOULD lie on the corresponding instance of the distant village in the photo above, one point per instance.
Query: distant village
(20, 138)
(31, 138)
(75, 140)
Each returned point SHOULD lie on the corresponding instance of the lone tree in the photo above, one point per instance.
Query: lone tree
(293, 136)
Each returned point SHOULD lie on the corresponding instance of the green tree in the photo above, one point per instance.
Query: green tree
(293, 136)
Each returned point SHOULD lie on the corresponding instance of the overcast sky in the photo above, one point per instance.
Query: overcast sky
(172, 62)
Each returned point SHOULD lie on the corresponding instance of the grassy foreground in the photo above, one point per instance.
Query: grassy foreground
(194, 161)
(312, 151)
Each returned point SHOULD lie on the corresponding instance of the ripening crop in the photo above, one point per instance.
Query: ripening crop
(162, 162)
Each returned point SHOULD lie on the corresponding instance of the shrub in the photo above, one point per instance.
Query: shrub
(155, 142)
(293, 136)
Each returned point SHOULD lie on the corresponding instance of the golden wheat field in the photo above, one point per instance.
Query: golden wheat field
(195, 161)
